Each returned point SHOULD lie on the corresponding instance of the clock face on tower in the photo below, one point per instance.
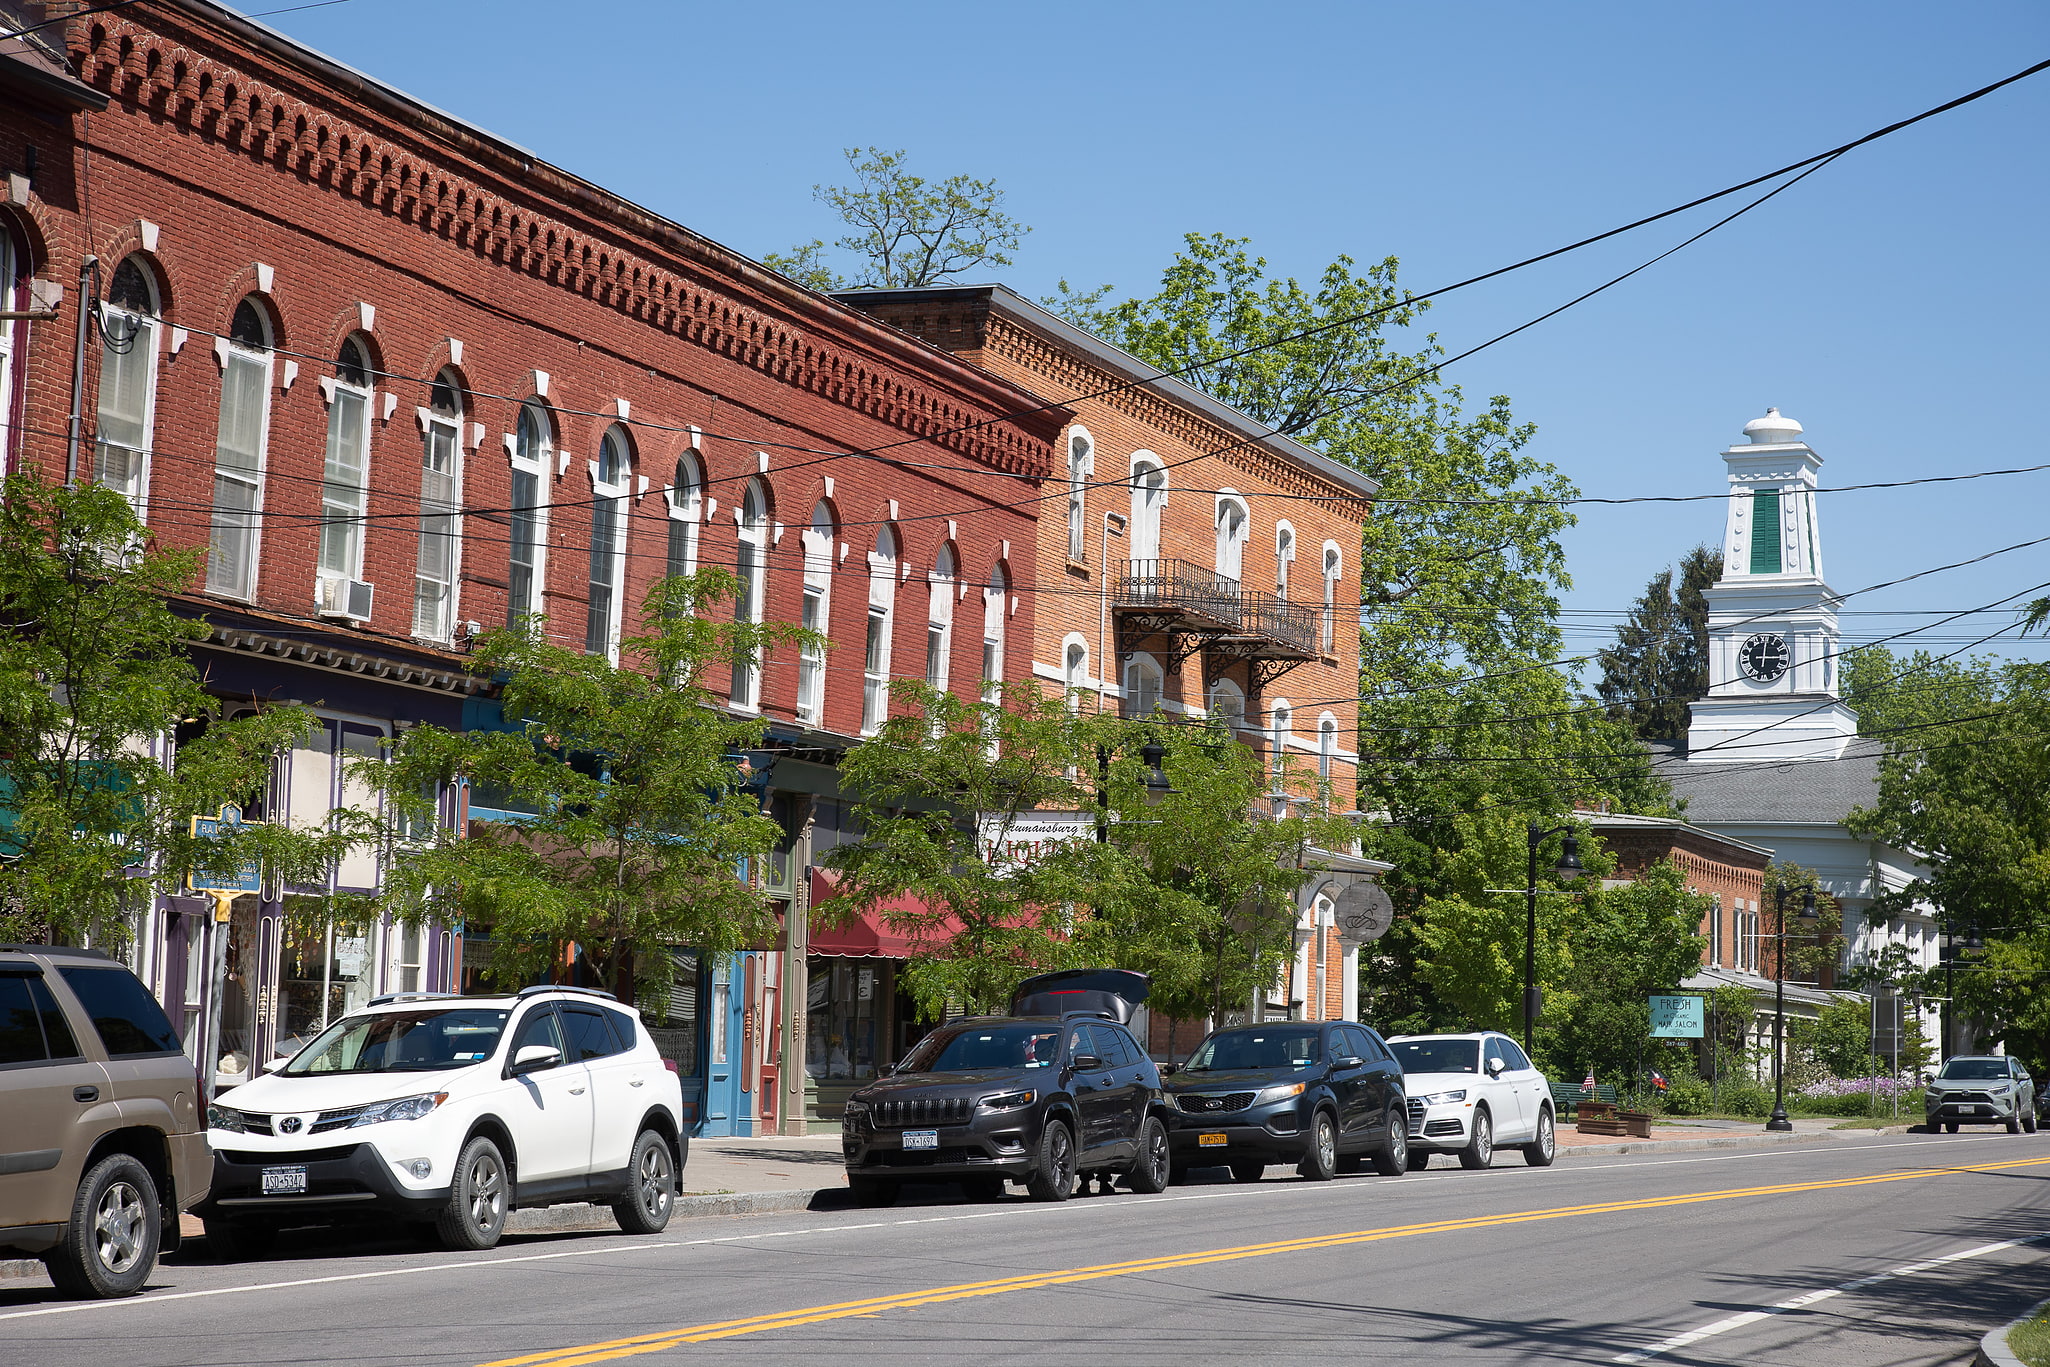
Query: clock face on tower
(1764, 657)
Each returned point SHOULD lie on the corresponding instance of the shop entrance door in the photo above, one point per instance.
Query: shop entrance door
(728, 1104)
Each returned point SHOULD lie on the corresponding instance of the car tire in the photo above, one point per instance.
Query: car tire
(1152, 1171)
(1248, 1172)
(1053, 1175)
(479, 1199)
(1320, 1159)
(2014, 1125)
(1480, 1145)
(1540, 1152)
(1394, 1156)
(874, 1191)
(239, 1241)
(2029, 1123)
(651, 1181)
(1950, 1127)
(110, 1243)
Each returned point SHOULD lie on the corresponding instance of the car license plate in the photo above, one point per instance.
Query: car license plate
(284, 1181)
(921, 1139)
(1212, 1141)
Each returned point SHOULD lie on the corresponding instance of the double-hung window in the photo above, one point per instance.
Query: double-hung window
(751, 565)
(1332, 561)
(345, 477)
(532, 454)
(245, 359)
(939, 619)
(434, 573)
(1231, 538)
(610, 474)
(818, 587)
(686, 511)
(1079, 462)
(129, 333)
(882, 608)
(993, 602)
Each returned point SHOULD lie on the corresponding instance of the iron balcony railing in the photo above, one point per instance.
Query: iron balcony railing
(1212, 604)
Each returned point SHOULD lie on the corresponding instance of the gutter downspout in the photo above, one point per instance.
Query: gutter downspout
(74, 427)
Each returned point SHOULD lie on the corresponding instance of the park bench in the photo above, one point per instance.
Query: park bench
(1566, 1100)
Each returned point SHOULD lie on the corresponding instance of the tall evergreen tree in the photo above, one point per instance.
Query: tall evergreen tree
(1659, 663)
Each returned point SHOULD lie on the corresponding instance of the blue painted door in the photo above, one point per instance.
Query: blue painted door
(728, 1109)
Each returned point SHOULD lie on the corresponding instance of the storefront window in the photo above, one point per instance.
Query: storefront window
(674, 1022)
(844, 1010)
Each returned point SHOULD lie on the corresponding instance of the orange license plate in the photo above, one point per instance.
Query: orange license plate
(1212, 1141)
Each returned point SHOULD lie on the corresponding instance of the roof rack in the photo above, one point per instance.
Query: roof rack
(72, 950)
(390, 997)
(558, 987)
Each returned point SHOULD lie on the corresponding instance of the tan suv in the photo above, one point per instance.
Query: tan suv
(102, 1145)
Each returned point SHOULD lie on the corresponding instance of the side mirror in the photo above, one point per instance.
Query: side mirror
(1495, 1067)
(532, 1058)
(1169, 1069)
(1087, 1063)
(1351, 1061)
(280, 1061)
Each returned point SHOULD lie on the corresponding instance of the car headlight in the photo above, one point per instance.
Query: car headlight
(1009, 1101)
(1443, 1098)
(225, 1118)
(1279, 1093)
(405, 1108)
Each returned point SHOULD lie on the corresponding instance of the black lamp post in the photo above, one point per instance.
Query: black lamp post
(1157, 787)
(1568, 869)
(1779, 1119)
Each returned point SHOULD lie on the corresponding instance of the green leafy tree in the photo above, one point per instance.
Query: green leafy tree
(96, 676)
(1659, 663)
(1838, 1038)
(639, 818)
(905, 231)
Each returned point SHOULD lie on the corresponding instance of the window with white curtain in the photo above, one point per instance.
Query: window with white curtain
(434, 573)
(245, 357)
(1144, 683)
(533, 453)
(1232, 522)
(882, 610)
(345, 475)
(686, 512)
(1332, 562)
(610, 477)
(1149, 496)
(130, 332)
(939, 618)
(818, 588)
(993, 602)
(751, 565)
(1080, 453)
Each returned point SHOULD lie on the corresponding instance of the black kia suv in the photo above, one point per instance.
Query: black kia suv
(1029, 1099)
(1325, 1096)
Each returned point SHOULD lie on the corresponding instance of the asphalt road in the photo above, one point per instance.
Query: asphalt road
(1899, 1250)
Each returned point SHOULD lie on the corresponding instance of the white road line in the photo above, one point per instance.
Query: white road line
(1724, 1326)
(1323, 1193)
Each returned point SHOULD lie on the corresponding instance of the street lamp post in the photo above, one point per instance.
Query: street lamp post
(1779, 1121)
(1568, 869)
(1157, 787)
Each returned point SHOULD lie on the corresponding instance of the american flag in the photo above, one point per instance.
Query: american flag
(1587, 1083)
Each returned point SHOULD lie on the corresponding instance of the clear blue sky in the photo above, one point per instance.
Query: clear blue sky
(1895, 303)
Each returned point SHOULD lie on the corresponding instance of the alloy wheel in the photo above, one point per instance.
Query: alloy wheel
(654, 1193)
(119, 1227)
(487, 1191)
(1327, 1145)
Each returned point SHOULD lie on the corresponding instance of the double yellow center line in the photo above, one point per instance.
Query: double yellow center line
(612, 1349)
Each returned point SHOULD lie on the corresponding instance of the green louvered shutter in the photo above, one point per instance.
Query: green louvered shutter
(1765, 532)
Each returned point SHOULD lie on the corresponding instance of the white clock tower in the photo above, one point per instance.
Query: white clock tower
(1772, 629)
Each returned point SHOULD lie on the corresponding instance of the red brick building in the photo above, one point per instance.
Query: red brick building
(407, 382)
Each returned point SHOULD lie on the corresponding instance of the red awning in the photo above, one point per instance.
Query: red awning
(866, 937)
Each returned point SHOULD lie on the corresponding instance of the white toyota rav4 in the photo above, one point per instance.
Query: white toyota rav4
(454, 1111)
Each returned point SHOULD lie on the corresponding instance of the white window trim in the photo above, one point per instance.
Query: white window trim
(540, 464)
(752, 536)
(939, 612)
(620, 489)
(1079, 473)
(1232, 549)
(882, 598)
(223, 349)
(1285, 543)
(1332, 566)
(818, 585)
(1145, 462)
(1141, 662)
(330, 387)
(8, 274)
(138, 499)
(686, 504)
(428, 420)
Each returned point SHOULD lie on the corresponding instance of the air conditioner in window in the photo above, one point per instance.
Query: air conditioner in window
(348, 598)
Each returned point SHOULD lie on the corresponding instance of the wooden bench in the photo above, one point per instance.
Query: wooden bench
(1566, 1100)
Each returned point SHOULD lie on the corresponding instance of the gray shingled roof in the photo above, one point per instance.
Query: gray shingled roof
(1822, 790)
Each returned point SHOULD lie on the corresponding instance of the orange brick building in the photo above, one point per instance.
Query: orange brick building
(1192, 562)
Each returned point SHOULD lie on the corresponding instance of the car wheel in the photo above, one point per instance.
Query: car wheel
(1950, 1127)
(2029, 1123)
(478, 1200)
(110, 1242)
(874, 1191)
(1395, 1156)
(1151, 1171)
(2014, 1125)
(238, 1241)
(650, 1187)
(1480, 1146)
(1248, 1172)
(1320, 1160)
(1540, 1152)
(1053, 1176)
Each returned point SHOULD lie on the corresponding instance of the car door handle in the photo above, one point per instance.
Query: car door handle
(576, 1091)
(636, 1082)
(85, 1094)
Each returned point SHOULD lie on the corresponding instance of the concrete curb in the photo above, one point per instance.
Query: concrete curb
(584, 1218)
(1735, 1141)
(1993, 1349)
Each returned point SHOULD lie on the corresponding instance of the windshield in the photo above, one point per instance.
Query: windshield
(1437, 1055)
(988, 1046)
(417, 1041)
(1256, 1048)
(1974, 1069)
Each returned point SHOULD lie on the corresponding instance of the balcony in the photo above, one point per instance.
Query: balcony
(1200, 609)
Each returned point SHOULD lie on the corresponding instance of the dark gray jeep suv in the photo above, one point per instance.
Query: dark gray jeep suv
(1030, 1099)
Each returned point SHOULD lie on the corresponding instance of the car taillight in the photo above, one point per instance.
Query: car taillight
(670, 1064)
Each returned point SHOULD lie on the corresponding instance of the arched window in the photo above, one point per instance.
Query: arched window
(882, 614)
(533, 453)
(245, 359)
(939, 618)
(751, 565)
(1327, 745)
(993, 602)
(1232, 524)
(1149, 496)
(9, 290)
(1144, 682)
(1281, 731)
(1284, 557)
(130, 332)
(1075, 673)
(1228, 704)
(610, 475)
(441, 475)
(818, 606)
(1332, 562)
(686, 513)
(345, 476)
(1080, 460)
